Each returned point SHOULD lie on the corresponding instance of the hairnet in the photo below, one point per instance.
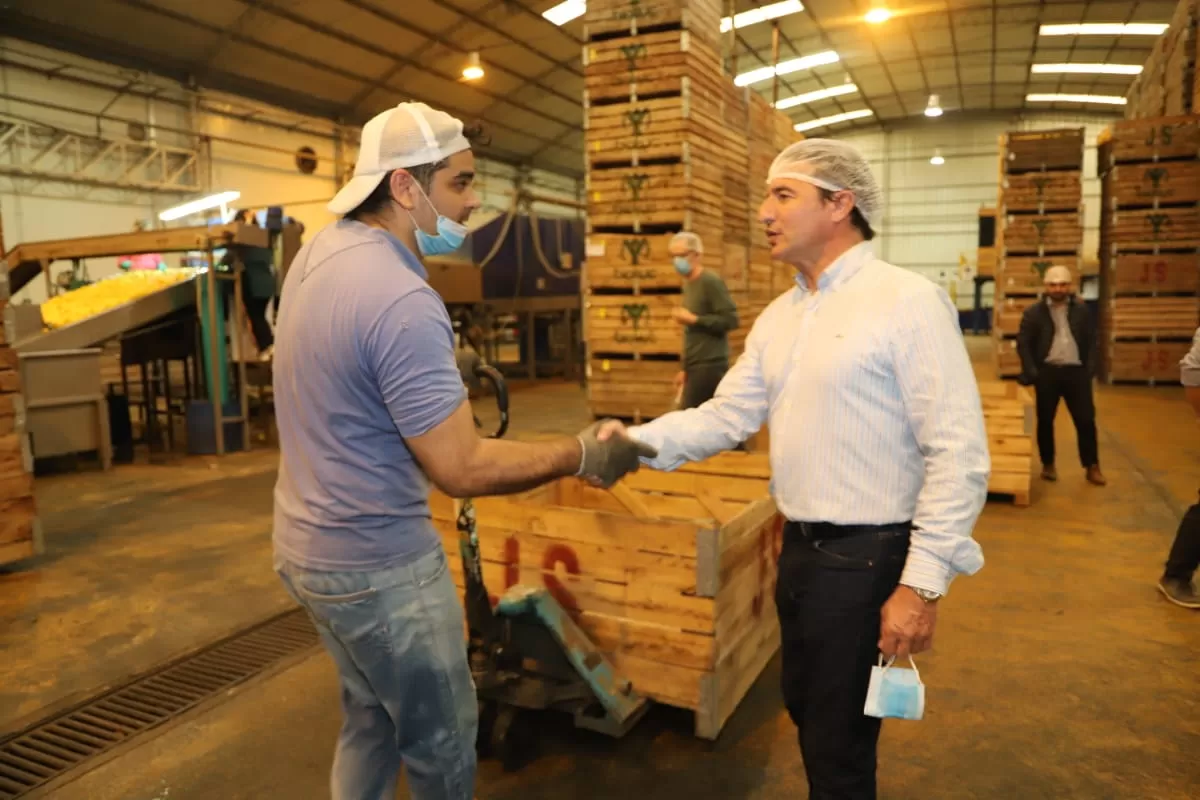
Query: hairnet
(689, 240)
(834, 166)
(1057, 275)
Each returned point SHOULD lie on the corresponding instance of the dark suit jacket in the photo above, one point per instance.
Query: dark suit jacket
(1037, 334)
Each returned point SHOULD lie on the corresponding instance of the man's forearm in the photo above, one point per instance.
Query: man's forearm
(505, 467)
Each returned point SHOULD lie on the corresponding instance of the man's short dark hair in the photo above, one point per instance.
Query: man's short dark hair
(423, 174)
(856, 217)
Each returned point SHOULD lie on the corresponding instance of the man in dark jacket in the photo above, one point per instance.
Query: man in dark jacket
(1057, 345)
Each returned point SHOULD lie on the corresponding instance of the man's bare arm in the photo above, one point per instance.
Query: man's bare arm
(462, 464)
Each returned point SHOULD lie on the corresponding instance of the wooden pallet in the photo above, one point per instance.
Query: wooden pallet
(20, 534)
(630, 388)
(1007, 314)
(1042, 233)
(985, 261)
(633, 262)
(1009, 420)
(655, 195)
(1153, 139)
(609, 19)
(1151, 228)
(1019, 275)
(671, 575)
(1151, 185)
(1005, 357)
(1146, 317)
(1042, 191)
(1152, 274)
(630, 324)
(1148, 362)
(1031, 151)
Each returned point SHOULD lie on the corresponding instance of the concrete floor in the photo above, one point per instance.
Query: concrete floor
(1058, 672)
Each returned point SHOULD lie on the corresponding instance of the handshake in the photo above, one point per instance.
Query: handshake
(609, 453)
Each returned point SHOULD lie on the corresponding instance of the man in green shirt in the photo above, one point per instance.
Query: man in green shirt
(708, 314)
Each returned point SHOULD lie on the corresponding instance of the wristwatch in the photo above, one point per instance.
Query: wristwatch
(925, 594)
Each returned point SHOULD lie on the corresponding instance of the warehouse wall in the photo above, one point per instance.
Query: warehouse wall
(930, 222)
(252, 155)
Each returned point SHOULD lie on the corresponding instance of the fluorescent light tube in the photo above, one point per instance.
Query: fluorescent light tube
(1106, 99)
(1105, 29)
(786, 67)
(836, 118)
(565, 11)
(761, 14)
(196, 206)
(1089, 69)
(819, 94)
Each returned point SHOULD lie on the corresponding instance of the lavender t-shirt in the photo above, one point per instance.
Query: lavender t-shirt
(364, 357)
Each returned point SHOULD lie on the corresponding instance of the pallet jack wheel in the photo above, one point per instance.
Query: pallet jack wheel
(513, 737)
(487, 724)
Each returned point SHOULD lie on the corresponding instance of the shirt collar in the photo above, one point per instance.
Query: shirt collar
(843, 269)
(406, 256)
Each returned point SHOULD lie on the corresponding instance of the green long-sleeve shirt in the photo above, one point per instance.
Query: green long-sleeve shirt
(705, 341)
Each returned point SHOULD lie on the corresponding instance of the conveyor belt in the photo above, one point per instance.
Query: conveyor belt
(112, 323)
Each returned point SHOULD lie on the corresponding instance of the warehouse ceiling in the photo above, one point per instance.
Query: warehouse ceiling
(349, 59)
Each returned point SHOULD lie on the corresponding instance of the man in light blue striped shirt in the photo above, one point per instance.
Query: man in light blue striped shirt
(879, 457)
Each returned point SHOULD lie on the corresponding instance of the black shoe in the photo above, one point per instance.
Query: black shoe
(1179, 592)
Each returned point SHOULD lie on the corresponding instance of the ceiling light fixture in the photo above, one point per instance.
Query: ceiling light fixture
(937, 159)
(761, 14)
(878, 16)
(473, 70)
(566, 11)
(1110, 100)
(819, 94)
(1105, 29)
(933, 108)
(835, 119)
(1089, 69)
(196, 206)
(786, 68)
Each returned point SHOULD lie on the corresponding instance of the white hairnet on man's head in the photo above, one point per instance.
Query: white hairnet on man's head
(834, 166)
(689, 240)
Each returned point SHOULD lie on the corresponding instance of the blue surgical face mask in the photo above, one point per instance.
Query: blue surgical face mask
(449, 237)
(896, 693)
(683, 266)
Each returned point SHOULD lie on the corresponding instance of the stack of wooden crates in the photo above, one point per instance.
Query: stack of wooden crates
(1039, 224)
(1169, 84)
(20, 533)
(671, 145)
(1149, 247)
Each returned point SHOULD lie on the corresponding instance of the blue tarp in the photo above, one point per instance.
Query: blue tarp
(516, 271)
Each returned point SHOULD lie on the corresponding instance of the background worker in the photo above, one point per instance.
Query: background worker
(879, 458)
(708, 315)
(371, 408)
(1184, 559)
(1057, 345)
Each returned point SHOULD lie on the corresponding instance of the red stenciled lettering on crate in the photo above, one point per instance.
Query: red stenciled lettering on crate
(560, 554)
(770, 545)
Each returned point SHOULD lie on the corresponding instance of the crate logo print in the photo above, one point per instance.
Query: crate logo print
(635, 250)
(632, 314)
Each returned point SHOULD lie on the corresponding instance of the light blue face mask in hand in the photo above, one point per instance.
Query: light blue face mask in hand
(449, 237)
(896, 693)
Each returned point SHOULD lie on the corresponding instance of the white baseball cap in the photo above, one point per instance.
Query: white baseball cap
(409, 135)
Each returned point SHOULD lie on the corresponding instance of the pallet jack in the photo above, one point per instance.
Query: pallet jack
(528, 655)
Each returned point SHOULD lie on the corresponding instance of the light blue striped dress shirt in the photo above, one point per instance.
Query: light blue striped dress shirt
(873, 409)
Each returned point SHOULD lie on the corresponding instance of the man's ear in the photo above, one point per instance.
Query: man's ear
(403, 189)
(845, 204)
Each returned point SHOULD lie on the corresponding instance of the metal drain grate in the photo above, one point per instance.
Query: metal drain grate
(52, 747)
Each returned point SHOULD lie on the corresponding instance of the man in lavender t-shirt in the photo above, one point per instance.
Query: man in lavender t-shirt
(371, 408)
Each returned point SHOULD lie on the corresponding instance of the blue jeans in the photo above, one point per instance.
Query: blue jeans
(398, 638)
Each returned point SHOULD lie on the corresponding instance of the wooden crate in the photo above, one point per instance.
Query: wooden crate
(670, 574)
(985, 261)
(1043, 233)
(1007, 314)
(607, 19)
(651, 64)
(1042, 191)
(1142, 362)
(20, 534)
(1008, 362)
(633, 324)
(656, 195)
(1030, 151)
(1150, 228)
(629, 388)
(1147, 317)
(634, 262)
(1152, 274)
(1154, 139)
(1022, 275)
(1155, 184)
(1179, 59)
(1009, 420)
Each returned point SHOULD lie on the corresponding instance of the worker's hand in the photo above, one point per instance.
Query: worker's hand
(609, 453)
(907, 623)
(680, 377)
(468, 362)
(683, 316)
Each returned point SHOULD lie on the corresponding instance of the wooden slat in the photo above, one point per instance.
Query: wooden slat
(1145, 274)
(1144, 185)
(1034, 233)
(1008, 363)
(1149, 228)
(1007, 314)
(985, 261)
(1144, 317)
(625, 324)
(610, 18)
(1025, 151)
(1143, 361)
(1151, 139)
(1042, 191)
(1023, 274)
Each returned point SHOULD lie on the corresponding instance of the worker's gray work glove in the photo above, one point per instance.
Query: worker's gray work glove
(468, 362)
(606, 462)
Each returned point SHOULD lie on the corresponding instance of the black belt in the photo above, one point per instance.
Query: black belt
(824, 531)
